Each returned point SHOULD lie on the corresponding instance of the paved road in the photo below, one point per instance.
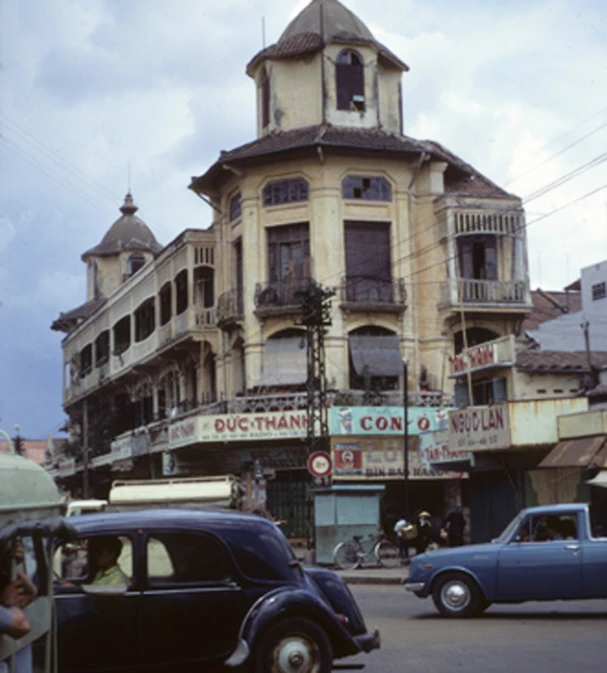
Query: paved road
(565, 637)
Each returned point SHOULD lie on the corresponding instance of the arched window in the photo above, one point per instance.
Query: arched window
(350, 81)
(136, 261)
(375, 359)
(265, 99)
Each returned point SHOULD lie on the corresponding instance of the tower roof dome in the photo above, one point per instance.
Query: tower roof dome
(127, 233)
(329, 19)
(323, 22)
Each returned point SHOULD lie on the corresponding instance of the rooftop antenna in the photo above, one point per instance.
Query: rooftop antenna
(263, 32)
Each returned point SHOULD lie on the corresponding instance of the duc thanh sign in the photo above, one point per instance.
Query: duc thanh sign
(479, 428)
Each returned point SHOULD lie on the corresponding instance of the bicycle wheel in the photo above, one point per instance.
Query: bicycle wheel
(345, 556)
(387, 554)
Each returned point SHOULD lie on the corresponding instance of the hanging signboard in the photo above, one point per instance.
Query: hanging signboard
(479, 428)
(385, 420)
(380, 459)
(434, 450)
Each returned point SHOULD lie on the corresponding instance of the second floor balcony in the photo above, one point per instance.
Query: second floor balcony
(486, 293)
(375, 295)
(230, 309)
(279, 297)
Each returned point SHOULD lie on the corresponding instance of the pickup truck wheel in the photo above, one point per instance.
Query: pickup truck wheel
(457, 595)
(294, 645)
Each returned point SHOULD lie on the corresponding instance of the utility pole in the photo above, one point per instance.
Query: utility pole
(315, 317)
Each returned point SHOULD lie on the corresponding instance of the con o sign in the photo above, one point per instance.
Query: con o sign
(320, 464)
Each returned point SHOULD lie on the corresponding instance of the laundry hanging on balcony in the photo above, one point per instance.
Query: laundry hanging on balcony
(284, 362)
(376, 355)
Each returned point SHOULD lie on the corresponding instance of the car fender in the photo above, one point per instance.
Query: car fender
(456, 569)
(287, 601)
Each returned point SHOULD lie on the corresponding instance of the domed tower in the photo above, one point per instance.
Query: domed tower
(128, 245)
(344, 76)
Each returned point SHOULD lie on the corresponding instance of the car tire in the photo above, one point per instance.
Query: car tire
(294, 644)
(387, 554)
(345, 556)
(457, 595)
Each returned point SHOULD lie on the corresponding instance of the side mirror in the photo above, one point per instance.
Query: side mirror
(104, 589)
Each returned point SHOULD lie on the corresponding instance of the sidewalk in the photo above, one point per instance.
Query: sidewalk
(367, 575)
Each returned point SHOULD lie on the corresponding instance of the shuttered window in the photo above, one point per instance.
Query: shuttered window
(289, 251)
(368, 272)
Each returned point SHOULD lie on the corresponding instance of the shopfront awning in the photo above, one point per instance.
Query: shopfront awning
(376, 355)
(599, 480)
(574, 452)
(284, 362)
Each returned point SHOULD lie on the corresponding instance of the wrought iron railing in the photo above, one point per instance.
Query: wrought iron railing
(279, 293)
(365, 290)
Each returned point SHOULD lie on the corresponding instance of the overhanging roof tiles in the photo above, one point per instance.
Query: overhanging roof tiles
(558, 361)
(574, 452)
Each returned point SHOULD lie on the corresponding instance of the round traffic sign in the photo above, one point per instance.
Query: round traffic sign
(320, 464)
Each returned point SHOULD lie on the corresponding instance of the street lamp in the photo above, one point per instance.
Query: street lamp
(406, 436)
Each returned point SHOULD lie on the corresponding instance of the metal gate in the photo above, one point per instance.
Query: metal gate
(288, 501)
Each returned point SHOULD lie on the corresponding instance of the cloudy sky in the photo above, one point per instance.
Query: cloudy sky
(92, 90)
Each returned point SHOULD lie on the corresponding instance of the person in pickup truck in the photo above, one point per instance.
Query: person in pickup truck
(103, 555)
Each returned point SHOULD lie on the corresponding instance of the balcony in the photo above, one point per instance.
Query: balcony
(230, 309)
(279, 297)
(373, 295)
(486, 293)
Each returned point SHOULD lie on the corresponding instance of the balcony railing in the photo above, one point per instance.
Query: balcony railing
(230, 308)
(277, 296)
(496, 292)
(373, 294)
(486, 222)
(206, 317)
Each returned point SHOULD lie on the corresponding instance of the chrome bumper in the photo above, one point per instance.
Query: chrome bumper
(369, 641)
(415, 586)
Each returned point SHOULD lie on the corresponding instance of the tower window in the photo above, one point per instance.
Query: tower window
(265, 99)
(135, 263)
(367, 189)
(350, 81)
(285, 191)
(235, 207)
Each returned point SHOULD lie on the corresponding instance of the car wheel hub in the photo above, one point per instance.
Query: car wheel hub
(455, 595)
(296, 655)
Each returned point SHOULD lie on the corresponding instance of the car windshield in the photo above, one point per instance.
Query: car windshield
(510, 529)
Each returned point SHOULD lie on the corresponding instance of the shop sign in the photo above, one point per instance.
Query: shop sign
(293, 457)
(66, 467)
(479, 428)
(434, 449)
(385, 420)
(238, 427)
(131, 446)
(489, 354)
(183, 432)
(380, 459)
(171, 466)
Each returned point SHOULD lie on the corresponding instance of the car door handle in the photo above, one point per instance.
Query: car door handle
(572, 547)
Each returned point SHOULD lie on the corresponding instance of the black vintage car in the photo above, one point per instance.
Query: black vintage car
(201, 591)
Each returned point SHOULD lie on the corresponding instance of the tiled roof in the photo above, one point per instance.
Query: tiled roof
(546, 306)
(67, 320)
(558, 361)
(459, 177)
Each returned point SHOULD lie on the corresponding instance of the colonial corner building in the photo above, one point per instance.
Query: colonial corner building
(187, 358)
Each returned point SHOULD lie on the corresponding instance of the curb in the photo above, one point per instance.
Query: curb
(366, 579)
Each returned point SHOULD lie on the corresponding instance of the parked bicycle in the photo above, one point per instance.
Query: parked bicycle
(376, 550)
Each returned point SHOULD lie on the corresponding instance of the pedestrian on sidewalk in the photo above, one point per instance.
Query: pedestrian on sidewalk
(455, 525)
(405, 531)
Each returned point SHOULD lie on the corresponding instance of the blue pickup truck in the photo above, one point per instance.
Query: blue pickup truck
(545, 553)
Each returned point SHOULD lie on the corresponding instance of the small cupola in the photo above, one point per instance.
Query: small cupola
(126, 247)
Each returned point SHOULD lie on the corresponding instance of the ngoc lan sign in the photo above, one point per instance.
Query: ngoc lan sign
(479, 428)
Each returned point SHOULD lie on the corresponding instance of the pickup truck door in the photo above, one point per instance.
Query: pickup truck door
(594, 568)
(540, 570)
